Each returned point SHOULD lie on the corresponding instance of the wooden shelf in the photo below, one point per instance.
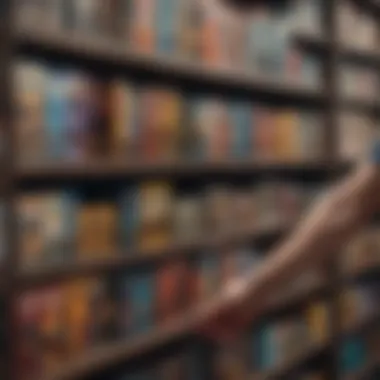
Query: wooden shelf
(68, 46)
(366, 275)
(363, 326)
(108, 169)
(118, 58)
(366, 373)
(320, 46)
(42, 274)
(369, 5)
(293, 303)
(312, 43)
(360, 55)
(106, 357)
(286, 369)
(180, 329)
(360, 105)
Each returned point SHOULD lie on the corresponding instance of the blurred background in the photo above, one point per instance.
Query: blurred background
(153, 150)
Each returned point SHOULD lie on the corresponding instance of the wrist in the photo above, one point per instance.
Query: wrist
(236, 288)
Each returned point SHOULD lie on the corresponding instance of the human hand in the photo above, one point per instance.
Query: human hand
(228, 314)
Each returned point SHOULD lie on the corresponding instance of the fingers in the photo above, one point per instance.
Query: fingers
(220, 319)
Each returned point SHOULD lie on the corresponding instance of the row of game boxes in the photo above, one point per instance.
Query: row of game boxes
(282, 341)
(72, 115)
(59, 322)
(57, 227)
(188, 29)
(362, 251)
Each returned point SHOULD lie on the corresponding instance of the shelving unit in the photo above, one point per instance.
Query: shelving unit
(103, 362)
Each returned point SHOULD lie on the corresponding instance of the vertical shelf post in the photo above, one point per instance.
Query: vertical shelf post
(331, 85)
(7, 187)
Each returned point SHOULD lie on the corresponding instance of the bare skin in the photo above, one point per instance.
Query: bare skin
(348, 206)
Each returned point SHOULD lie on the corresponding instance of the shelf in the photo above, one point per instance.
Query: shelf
(286, 369)
(293, 303)
(320, 46)
(360, 55)
(107, 169)
(369, 5)
(105, 358)
(366, 373)
(316, 352)
(312, 43)
(116, 57)
(360, 105)
(78, 48)
(43, 274)
(364, 326)
(366, 275)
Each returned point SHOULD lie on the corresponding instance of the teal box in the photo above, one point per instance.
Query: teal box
(167, 18)
(353, 355)
(129, 217)
(242, 129)
(56, 113)
(140, 294)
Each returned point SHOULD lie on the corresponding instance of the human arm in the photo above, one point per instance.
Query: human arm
(330, 223)
(332, 220)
